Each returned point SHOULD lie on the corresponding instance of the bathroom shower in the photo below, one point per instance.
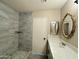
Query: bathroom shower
(15, 33)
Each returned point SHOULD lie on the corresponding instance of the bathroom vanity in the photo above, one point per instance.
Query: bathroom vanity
(50, 56)
(58, 51)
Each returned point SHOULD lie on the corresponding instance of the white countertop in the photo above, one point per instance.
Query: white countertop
(61, 52)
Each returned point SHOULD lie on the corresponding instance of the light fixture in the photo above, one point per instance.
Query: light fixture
(76, 1)
(43, 1)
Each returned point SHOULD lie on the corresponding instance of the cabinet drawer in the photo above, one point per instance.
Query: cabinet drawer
(49, 53)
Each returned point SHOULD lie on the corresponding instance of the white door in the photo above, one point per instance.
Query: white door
(40, 31)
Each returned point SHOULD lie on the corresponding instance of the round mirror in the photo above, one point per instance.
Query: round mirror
(68, 26)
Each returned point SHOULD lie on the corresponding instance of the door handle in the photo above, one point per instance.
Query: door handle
(44, 38)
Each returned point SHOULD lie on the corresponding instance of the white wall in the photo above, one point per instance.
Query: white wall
(51, 15)
(72, 8)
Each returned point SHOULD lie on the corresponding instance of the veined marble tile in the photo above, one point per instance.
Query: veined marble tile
(9, 20)
(25, 26)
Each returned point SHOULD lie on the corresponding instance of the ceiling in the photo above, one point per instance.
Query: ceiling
(33, 5)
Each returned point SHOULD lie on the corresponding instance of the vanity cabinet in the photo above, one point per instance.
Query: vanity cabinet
(58, 51)
(49, 53)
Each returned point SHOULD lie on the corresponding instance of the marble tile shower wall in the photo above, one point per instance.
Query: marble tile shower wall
(8, 26)
(25, 26)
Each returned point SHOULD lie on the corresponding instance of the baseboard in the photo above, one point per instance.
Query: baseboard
(38, 53)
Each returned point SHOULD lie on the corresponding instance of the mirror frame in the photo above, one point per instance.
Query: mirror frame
(73, 27)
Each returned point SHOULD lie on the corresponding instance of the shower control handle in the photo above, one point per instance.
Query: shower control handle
(18, 32)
